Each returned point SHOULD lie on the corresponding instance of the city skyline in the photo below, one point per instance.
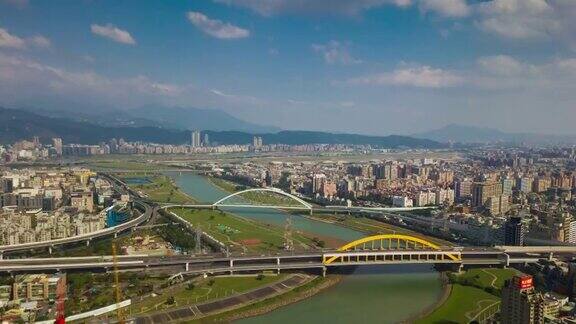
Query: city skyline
(359, 66)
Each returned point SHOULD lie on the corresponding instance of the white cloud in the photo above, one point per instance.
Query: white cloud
(40, 41)
(335, 52)
(114, 33)
(22, 78)
(9, 40)
(420, 76)
(502, 64)
(528, 19)
(216, 28)
(446, 8)
(334, 7)
(502, 72)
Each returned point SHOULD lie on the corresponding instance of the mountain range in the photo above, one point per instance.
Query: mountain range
(183, 118)
(472, 134)
(18, 124)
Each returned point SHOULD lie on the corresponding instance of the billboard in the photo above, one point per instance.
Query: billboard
(525, 282)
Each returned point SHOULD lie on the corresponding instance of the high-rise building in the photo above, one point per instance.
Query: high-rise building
(318, 181)
(6, 185)
(445, 196)
(482, 191)
(195, 139)
(514, 231)
(206, 141)
(520, 303)
(57, 143)
(463, 189)
(507, 185)
(257, 142)
(524, 184)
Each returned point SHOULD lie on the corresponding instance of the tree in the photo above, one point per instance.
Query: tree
(170, 300)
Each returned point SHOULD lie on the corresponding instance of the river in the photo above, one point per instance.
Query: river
(376, 294)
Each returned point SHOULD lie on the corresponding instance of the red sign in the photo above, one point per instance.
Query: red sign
(526, 282)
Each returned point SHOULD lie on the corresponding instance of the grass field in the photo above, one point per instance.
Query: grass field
(239, 233)
(462, 305)
(202, 290)
(487, 277)
(87, 291)
(471, 292)
(160, 189)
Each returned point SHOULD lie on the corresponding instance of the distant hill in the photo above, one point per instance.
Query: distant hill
(472, 134)
(195, 118)
(18, 124)
(155, 116)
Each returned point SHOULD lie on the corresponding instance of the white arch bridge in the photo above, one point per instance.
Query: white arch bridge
(300, 203)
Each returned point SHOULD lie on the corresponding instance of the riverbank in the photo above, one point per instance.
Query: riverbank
(471, 292)
(444, 295)
(295, 295)
(359, 296)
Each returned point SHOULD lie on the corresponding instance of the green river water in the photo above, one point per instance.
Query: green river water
(374, 294)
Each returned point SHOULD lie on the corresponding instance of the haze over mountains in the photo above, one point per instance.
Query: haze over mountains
(183, 118)
(18, 124)
(161, 124)
(471, 134)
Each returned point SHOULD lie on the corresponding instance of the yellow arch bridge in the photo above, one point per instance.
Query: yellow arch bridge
(391, 248)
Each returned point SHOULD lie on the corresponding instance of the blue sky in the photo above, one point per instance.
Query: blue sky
(363, 66)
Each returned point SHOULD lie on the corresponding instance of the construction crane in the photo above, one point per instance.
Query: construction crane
(119, 312)
(60, 304)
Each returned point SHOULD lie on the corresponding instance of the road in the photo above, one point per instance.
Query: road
(217, 263)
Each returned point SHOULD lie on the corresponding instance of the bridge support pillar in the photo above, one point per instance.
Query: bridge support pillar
(1, 255)
(550, 256)
(323, 271)
(278, 261)
(50, 250)
(506, 260)
(187, 266)
(115, 234)
(231, 263)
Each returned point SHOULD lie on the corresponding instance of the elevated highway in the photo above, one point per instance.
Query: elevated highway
(372, 250)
